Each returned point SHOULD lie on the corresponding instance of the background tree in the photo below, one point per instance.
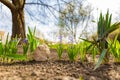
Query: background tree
(73, 16)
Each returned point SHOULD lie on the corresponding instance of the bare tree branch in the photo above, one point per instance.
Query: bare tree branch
(42, 5)
(8, 4)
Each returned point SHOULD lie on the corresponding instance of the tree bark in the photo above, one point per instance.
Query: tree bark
(18, 21)
(18, 24)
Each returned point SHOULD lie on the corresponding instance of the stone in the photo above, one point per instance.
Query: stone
(41, 53)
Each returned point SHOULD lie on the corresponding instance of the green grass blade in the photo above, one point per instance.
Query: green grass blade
(101, 58)
(30, 32)
(109, 22)
(7, 39)
(87, 40)
(1, 48)
(34, 31)
(113, 27)
(107, 18)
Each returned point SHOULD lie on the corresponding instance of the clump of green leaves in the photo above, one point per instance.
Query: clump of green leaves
(60, 49)
(25, 46)
(33, 42)
(12, 45)
(104, 28)
(8, 51)
(83, 48)
(72, 51)
(115, 48)
(72, 48)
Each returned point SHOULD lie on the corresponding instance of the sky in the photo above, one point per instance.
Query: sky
(98, 5)
(104, 5)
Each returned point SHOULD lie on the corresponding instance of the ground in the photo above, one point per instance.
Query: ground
(58, 70)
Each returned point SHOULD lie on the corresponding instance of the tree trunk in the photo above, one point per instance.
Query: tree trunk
(18, 24)
(18, 21)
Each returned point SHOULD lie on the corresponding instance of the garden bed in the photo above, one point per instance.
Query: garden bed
(55, 69)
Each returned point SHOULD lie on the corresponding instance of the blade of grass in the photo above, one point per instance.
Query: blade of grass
(101, 58)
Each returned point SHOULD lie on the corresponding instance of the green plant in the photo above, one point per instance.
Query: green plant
(33, 42)
(8, 51)
(104, 51)
(83, 50)
(25, 46)
(115, 48)
(60, 49)
(53, 46)
(12, 45)
(104, 28)
(72, 51)
(1, 50)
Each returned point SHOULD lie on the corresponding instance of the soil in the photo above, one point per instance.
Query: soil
(55, 69)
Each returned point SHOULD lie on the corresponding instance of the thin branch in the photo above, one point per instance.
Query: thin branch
(42, 5)
(52, 13)
(8, 4)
